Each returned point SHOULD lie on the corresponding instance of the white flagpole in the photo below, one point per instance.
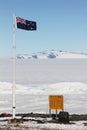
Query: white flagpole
(14, 67)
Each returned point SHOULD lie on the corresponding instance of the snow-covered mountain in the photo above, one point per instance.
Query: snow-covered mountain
(52, 54)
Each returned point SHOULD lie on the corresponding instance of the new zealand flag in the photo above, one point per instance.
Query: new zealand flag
(25, 24)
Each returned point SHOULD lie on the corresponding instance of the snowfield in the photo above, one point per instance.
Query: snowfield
(34, 98)
(36, 80)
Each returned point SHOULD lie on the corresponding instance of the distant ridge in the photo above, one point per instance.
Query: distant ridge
(52, 54)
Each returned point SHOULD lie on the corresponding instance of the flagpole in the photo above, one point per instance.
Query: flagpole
(14, 67)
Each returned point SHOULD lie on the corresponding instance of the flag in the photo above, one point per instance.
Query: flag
(25, 24)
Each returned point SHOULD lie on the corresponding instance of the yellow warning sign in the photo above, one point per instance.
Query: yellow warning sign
(56, 102)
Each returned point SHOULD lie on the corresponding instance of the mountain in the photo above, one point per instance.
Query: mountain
(52, 54)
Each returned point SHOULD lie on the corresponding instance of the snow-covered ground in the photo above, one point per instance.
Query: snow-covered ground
(34, 98)
(47, 126)
(37, 79)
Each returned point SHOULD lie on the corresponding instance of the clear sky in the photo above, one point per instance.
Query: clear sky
(61, 25)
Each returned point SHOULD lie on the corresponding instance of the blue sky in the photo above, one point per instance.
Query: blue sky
(61, 25)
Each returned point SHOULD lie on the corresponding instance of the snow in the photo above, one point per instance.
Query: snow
(71, 55)
(58, 127)
(36, 80)
(35, 98)
(52, 54)
(47, 126)
(32, 125)
(46, 89)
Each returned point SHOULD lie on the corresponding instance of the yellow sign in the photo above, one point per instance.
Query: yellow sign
(55, 102)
